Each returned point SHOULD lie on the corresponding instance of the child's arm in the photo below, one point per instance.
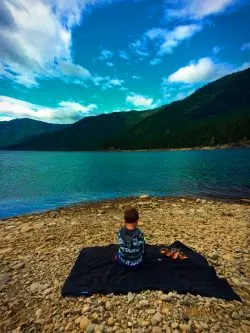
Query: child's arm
(119, 238)
(142, 242)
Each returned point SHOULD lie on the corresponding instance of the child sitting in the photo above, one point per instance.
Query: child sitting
(130, 240)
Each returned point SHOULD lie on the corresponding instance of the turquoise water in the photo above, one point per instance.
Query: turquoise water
(37, 181)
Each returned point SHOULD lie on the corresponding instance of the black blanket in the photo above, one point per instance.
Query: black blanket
(96, 271)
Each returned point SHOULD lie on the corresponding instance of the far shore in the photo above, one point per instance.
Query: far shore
(222, 147)
(226, 146)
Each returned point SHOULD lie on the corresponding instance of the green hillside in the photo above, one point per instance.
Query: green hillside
(218, 113)
(90, 133)
(17, 130)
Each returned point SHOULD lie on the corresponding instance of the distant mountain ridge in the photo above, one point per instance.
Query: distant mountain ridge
(16, 130)
(218, 113)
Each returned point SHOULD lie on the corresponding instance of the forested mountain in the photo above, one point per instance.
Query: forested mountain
(218, 113)
(90, 133)
(16, 130)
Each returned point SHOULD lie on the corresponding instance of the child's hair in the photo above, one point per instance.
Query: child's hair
(131, 215)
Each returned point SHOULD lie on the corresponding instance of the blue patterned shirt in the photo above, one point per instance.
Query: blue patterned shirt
(131, 246)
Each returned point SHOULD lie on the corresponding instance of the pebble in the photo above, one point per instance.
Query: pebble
(110, 321)
(84, 322)
(144, 196)
(184, 327)
(156, 329)
(68, 327)
(108, 306)
(235, 315)
(4, 278)
(26, 228)
(144, 303)
(40, 321)
(95, 316)
(85, 308)
(156, 319)
(90, 328)
(174, 325)
(99, 329)
(47, 291)
(19, 265)
(130, 297)
(145, 323)
(35, 287)
(164, 297)
(38, 313)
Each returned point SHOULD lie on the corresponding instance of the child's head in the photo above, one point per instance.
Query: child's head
(131, 216)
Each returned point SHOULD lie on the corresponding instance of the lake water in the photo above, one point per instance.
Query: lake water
(37, 181)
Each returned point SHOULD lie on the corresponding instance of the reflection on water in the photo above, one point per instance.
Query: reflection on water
(34, 181)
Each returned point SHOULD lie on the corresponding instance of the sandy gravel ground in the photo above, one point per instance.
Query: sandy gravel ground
(37, 251)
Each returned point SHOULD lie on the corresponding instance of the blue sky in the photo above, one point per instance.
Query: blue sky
(64, 60)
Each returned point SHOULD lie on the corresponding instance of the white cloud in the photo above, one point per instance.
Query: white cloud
(5, 118)
(106, 82)
(216, 50)
(36, 39)
(244, 66)
(111, 83)
(123, 89)
(196, 9)
(140, 48)
(170, 39)
(123, 54)
(106, 54)
(65, 112)
(155, 61)
(71, 70)
(245, 46)
(136, 77)
(139, 100)
(97, 80)
(116, 82)
(204, 70)
(109, 64)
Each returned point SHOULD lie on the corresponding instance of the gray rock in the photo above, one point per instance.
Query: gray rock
(144, 196)
(90, 328)
(35, 286)
(174, 325)
(130, 297)
(143, 303)
(184, 327)
(235, 315)
(108, 306)
(47, 291)
(38, 313)
(156, 329)
(4, 278)
(18, 266)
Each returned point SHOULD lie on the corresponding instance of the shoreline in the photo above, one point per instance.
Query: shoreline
(38, 251)
(219, 147)
(242, 200)
(208, 148)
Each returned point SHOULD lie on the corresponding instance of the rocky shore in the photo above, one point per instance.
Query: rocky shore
(37, 252)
